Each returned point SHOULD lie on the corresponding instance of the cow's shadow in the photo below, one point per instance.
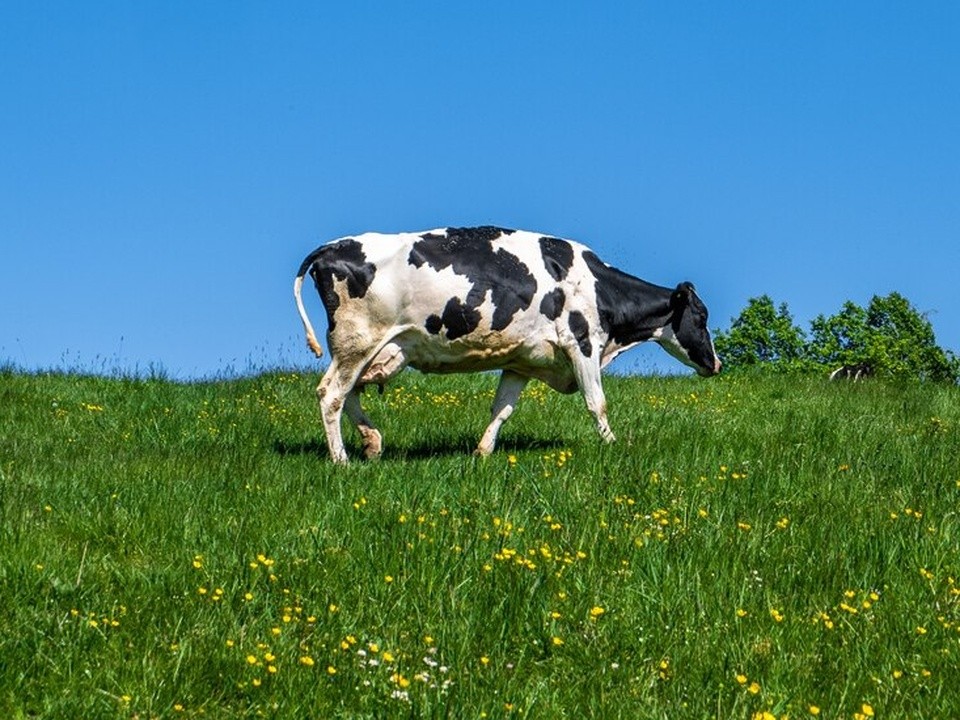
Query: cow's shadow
(446, 446)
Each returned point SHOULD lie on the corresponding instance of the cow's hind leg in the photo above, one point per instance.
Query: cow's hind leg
(387, 362)
(372, 439)
(508, 392)
(332, 393)
(338, 391)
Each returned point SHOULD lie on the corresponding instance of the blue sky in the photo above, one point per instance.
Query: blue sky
(165, 166)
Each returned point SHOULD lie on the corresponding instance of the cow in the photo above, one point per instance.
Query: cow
(856, 371)
(456, 300)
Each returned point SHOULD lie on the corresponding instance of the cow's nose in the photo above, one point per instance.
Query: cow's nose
(717, 365)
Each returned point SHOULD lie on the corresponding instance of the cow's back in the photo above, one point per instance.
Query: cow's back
(458, 300)
(488, 284)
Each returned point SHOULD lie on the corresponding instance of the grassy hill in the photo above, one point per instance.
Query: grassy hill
(750, 545)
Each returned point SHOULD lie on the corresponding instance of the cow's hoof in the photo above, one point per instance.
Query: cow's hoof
(372, 444)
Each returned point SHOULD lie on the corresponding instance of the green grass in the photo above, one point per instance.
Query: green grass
(749, 545)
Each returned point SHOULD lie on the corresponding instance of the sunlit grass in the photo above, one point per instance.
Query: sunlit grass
(749, 547)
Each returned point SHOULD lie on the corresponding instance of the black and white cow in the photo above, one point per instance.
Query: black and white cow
(855, 371)
(469, 299)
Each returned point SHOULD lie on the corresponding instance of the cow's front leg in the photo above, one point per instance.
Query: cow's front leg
(508, 392)
(588, 378)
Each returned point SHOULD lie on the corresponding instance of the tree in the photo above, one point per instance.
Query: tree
(889, 335)
(762, 334)
(900, 341)
(839, 339)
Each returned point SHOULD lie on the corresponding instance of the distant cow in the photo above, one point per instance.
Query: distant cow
(857, 371)
(469, 299)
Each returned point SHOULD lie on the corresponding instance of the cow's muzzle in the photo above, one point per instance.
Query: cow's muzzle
(710, 372)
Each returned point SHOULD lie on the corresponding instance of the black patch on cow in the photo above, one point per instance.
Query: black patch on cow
(557, 256)
(459, 318)
(552, 304)
(469, 252)
(630, 309)
(581, 331)
(345, 261)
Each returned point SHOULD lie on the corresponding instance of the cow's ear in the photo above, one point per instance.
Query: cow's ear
(681, 296)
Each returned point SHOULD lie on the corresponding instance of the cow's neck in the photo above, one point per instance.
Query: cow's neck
(631, 310)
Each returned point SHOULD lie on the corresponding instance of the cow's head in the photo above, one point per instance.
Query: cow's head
(687, 337)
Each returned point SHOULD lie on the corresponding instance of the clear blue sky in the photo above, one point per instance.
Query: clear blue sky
(165, 166)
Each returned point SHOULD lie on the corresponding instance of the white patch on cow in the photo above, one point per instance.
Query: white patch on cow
(667, 339)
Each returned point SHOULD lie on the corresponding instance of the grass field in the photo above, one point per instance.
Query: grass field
(750, 547)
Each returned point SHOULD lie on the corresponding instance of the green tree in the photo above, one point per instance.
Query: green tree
(900, 341)
(889, 335)
(762, 334)
(839, 339)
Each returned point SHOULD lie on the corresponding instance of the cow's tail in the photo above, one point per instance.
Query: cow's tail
(308, 328)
